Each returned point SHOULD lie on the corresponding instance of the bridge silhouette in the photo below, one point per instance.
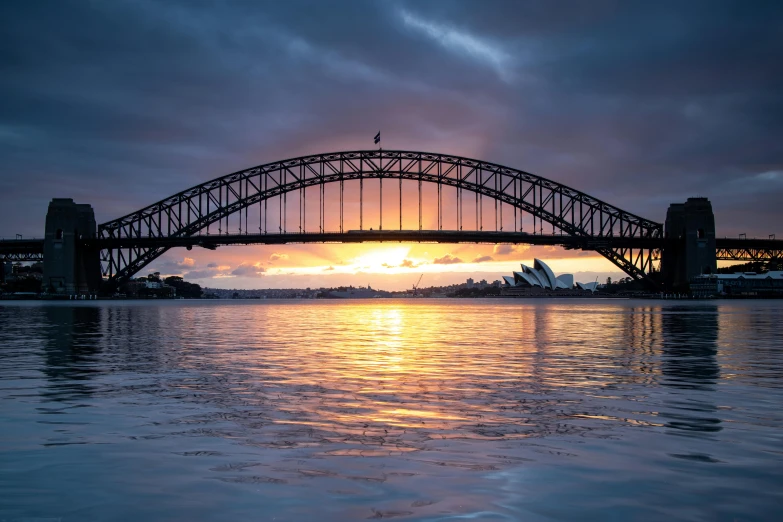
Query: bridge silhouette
(474, 201)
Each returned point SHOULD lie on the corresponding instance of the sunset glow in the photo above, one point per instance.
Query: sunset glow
(385, 266)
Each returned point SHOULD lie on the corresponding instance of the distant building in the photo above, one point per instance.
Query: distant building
(541, 277)
(357, 293)
(142, 287)
(470, 282)
(738, 284)
(592, 287)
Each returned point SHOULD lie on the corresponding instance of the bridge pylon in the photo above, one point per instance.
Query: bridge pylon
(691, 248)
(70, 267)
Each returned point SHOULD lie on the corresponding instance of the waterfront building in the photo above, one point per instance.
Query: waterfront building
(540, 279)
(738, 284)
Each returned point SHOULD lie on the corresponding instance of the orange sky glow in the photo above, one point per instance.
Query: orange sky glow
(388, 266)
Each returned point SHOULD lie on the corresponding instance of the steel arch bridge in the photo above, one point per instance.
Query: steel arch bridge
(189, 217)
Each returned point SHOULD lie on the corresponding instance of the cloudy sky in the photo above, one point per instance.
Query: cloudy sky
(122, 103)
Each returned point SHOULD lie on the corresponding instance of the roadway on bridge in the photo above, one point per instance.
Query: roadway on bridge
(362, 236)
(738, 249)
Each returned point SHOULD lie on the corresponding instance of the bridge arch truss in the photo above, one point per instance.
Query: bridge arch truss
(197, 210)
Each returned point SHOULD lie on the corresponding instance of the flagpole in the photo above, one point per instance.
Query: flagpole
(380, 179)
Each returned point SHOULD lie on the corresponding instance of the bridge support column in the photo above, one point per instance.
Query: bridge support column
(690, 248)
(69, 266)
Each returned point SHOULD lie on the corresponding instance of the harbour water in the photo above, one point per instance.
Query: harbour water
(406, 409)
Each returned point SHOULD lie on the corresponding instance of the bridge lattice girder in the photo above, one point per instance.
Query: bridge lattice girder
(20, 257)
(21, 250)
(192, 211)
(769, 251)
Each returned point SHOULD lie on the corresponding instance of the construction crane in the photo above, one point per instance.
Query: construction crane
(416, 286)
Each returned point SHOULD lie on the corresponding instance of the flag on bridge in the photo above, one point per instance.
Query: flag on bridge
(378, 138)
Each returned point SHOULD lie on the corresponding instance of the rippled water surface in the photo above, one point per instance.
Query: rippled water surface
(410, 409)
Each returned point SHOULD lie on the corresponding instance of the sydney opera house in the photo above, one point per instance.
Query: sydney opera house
(540, 276)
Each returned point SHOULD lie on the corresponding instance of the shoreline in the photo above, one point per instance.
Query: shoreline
(13, 298)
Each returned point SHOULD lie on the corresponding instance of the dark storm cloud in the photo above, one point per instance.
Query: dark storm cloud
(122, 103)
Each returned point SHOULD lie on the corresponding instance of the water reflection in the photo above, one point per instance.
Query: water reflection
(689, 363)
(689, 346)
(72, 338)
(376, 409)
(397, 367)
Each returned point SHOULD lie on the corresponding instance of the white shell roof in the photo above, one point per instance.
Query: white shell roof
(532, 281)
(542, 267)
(542, 276)
(567, 279)
(538, 276)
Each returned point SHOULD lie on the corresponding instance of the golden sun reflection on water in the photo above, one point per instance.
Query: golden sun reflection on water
(355, 366)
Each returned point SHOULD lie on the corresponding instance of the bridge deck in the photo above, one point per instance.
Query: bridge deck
(727, 248)
(21, 246)
(361, 236)
(21, 250)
